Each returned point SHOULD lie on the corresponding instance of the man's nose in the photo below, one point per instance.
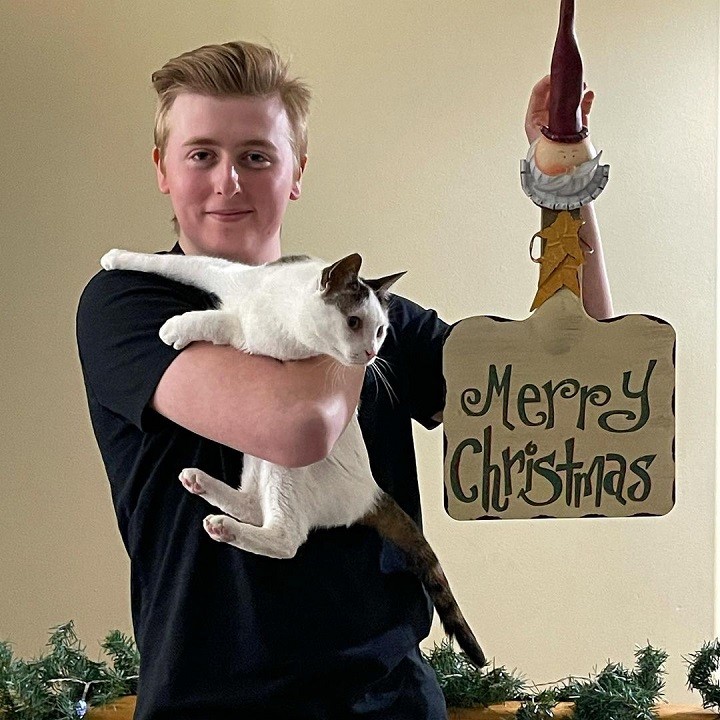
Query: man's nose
(228, 180)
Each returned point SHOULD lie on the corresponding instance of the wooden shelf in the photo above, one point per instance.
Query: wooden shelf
(123, 710)
(563, 710)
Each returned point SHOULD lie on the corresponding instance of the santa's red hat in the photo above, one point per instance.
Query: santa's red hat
(566, 86)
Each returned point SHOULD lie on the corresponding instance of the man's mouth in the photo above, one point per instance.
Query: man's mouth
(228, 214)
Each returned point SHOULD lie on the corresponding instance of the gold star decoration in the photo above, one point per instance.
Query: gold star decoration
(561, 259)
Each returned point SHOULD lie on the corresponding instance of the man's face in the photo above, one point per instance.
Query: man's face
(229, 171)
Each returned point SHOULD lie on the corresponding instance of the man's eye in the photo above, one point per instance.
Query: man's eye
(257, 159)
(200, 156)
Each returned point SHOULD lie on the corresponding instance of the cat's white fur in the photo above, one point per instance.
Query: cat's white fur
(277, 310)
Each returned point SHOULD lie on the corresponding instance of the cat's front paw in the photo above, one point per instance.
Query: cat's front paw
(215, 527)
(113, 260)
(191, 478)
(174, 333)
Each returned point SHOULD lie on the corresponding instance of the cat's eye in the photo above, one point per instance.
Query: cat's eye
(379, 332)
(354, 322)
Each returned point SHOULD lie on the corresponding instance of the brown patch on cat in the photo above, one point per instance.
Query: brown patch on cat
(344, 288)
(349, 300)
(391, 522)
(380, 286)
(336, 275)
(341, 285)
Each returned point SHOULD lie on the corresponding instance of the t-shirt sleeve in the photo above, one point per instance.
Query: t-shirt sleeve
(421, 336)
(122, 357)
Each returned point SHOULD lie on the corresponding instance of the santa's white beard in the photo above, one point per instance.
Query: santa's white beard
(574, 188)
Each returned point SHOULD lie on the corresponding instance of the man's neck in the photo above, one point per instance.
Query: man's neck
(268, 253)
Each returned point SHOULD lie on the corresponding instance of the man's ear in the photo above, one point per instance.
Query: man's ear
(160, 172)
(296, 187)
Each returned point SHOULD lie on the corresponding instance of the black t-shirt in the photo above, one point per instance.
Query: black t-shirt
(221, 631)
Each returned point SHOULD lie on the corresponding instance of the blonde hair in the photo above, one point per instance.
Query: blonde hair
(232, 69)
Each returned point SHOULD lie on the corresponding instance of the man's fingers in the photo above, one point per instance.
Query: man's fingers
(542, 85)
(537, 107)
(587, 101)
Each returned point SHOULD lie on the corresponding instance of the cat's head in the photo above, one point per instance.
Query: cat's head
(357, 321)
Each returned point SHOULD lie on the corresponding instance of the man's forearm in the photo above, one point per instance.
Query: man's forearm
(595, 286)
(333, 390)
(290, 413)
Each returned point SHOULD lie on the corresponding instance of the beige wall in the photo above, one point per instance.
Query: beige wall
(415, 148)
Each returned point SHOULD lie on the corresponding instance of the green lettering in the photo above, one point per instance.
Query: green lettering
(642, 395)
(645, 481)
(614, 481)
(568, 388)
(455, 482)
(545, 472)
(472, 396)
(524, 400)
(598, 395)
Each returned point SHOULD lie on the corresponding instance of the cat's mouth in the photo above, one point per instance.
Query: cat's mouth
(357, 360)
(347, 360)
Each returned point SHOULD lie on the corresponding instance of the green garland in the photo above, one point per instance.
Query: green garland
(465, 686)
(701, 666)
(615, 692)
(62, 684)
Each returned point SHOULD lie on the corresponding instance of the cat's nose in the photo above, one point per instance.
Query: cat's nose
(370, 354)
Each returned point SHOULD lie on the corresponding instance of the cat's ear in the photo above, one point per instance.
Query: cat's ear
(383, 284)
(337, 275)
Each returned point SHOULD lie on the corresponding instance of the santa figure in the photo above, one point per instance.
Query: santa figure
(562, 170)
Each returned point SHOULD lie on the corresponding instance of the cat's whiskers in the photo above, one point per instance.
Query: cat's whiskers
(332, 371)
(377, 370)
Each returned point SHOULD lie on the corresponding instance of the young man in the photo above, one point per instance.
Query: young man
(334, 632)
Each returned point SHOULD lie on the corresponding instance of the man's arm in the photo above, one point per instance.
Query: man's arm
(595, 286)
(290, 413)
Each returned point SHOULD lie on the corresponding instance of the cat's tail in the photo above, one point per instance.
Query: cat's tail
(391, 521)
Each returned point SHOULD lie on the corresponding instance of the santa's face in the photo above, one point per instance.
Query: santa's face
(556, 158)
(579, 184)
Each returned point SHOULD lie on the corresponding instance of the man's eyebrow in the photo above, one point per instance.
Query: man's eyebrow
(252, 142)
(200, 141)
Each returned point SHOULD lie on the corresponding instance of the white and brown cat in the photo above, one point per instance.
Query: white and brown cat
(298, 307)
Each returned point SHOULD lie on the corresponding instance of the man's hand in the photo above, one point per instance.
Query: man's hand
(538, 109)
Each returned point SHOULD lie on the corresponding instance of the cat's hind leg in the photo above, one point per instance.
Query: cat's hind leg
(239, 503)
(215, 326)
(277, 538)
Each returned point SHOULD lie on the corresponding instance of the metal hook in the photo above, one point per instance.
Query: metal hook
(532, 245)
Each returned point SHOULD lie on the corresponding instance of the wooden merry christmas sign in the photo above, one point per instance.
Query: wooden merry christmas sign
(559, 415)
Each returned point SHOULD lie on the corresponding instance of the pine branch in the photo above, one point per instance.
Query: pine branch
(465, 686)
(702, 666)
(615, 692)
(61, 684)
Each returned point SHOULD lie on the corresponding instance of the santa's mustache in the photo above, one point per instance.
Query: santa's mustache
(570, 182)
(568, 191)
